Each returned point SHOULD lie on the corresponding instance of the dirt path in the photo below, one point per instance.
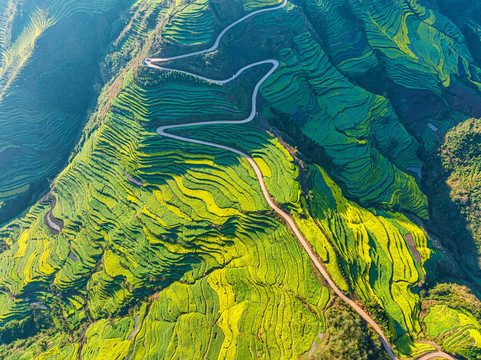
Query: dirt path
(50, 222)
(132, 179)
(315, 345)
(162, 130)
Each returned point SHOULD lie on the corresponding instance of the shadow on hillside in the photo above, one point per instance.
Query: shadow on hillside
(451, 228)
(446, 222)
(45, 106)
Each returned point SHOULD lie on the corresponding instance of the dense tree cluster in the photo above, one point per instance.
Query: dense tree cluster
(349, 338)
(461, 157)
(26, 327)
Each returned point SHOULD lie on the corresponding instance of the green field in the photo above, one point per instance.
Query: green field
(457, 330)
(48, 64)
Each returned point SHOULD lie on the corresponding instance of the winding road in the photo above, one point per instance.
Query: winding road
(223, 32)
(162, 131)
(436, 355)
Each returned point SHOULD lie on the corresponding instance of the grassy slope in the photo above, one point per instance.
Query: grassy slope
(215, 241)
(450, 316)
(49, 57)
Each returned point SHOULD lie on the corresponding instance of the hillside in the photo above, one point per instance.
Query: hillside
(150, 240)
(49, 76)
(462, 161)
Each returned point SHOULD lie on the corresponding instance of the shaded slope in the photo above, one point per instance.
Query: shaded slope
(49, 64)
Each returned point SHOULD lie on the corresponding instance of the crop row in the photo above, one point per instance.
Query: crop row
(249, 308)
(37, 131)
(457, 330)
(275, 162)
(192, 25)
(373, 252)
(185, 213)
(355, 128)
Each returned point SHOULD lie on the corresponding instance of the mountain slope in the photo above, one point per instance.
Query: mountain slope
(49, 59)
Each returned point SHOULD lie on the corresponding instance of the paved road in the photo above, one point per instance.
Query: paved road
(162, 130)
(436, 355)
(221, 35)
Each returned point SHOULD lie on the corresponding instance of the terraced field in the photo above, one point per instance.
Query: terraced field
(232, 230)
(324, 93)
(48, 63)
(193, 25)
(382, 256)
(149, 246)
(458, 331)
(235, 258)
(18, 43)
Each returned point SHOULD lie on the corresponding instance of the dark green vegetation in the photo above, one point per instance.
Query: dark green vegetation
(454, 172)
(461, 158)
(147, 247)
(49, 75)
(451, 312)
(349, 338)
